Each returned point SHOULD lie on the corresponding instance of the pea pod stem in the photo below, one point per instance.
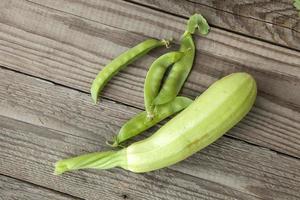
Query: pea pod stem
(122, 61)
(210, 116)
(140, 122)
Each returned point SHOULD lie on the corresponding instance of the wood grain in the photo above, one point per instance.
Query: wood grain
(273, 21)
(70, 50)
(41, 122)
(220, 53)
(29, 152)
(12, 189)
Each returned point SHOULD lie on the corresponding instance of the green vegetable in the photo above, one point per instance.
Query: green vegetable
(120, 62)
(197, 23)
(181, 69)
(140, 122)
(154, 77)
(211, 115)
(178, 72)
(297, 5)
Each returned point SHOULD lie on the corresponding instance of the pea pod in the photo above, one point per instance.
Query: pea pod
(197, 24)
(178, 73)
(181, 69)
(211, 115)
(154, 77)
(120, 62)
(140, 122)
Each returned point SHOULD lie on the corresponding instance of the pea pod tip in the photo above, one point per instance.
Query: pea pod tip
(60, 168)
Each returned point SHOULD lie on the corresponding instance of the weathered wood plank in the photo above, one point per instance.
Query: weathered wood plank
(11, 189)
(92, 44)
(70, 50)
(28, 152)
(274, 21)
(43, 122)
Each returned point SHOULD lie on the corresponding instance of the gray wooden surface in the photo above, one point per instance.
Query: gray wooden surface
(274, 21)
(51, 51)
(14, 189)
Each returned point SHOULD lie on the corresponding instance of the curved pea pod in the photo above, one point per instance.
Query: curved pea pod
(211, 115)
(120, 62)
(154, 78)
(140, 122)
(178, 73)
(197, 23)
(181, 69)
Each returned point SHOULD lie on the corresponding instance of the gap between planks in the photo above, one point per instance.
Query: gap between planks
(65, 86)
(43, 191)
(261, 37)
(226, 164)
(180, 16)
(146, 186)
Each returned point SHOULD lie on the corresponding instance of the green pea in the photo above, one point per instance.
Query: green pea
(120, 62)
(140, 122)
(154, 77)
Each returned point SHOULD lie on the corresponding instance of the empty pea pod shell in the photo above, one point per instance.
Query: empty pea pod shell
(120, 62)
(140, 122)
(211, 115)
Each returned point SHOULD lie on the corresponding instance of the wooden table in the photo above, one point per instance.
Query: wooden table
(52, 50)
